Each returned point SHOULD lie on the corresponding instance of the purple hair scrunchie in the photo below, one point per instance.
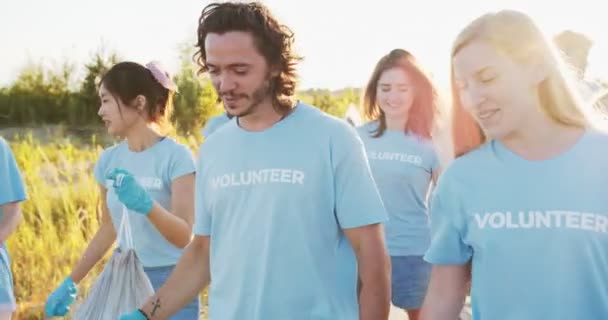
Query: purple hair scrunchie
(161, 76)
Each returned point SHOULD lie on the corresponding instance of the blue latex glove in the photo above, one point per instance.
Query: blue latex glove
(58, 303)
(130, 192)
(135, 315)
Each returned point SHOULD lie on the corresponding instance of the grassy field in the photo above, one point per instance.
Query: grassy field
(60, 215)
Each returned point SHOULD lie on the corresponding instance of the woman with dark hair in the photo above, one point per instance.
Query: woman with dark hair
(149, 173)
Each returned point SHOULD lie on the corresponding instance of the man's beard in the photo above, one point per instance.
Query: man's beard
(256, 98)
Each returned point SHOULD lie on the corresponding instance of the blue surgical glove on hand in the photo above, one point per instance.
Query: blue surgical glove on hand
(135, 315)
(130, 192)
(58, 303)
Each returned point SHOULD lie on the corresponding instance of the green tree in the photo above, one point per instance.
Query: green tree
(38, 96)
(85, 112)
(196, 101)
(334, 103)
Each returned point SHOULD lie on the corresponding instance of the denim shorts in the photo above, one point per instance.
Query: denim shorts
(409, 281)
(7, 296)
(158, 276)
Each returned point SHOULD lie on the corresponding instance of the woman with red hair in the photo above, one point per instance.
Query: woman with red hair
(401, 106)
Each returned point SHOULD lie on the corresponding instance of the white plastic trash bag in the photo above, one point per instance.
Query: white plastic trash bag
(122, 287)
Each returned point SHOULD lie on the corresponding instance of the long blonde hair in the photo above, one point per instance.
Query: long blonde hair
(516, 35)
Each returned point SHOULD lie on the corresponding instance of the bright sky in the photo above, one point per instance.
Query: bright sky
(340, 40)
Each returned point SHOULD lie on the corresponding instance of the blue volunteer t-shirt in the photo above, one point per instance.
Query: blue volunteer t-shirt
(275, 203)
(11, 182)
(214, 124)
(402, 165)
(155, 169)
(536, 231)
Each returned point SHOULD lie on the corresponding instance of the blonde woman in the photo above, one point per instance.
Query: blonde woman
(525, 201)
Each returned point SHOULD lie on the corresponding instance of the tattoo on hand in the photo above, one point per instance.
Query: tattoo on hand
(156, 305)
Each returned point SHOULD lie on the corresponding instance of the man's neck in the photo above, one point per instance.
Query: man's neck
(264, 117)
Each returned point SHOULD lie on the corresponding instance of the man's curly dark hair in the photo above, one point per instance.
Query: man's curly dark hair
(273, 40)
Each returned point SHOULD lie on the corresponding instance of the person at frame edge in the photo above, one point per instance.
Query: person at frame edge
(12, 193)
(524, 203)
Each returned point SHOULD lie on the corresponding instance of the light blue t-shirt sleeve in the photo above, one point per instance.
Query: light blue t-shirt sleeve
(182, 162)
(358, 201)
(447, 226)
(99, 172)
(11, 182)
(202, 216)
(213, 124)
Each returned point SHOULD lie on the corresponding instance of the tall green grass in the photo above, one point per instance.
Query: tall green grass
(60, 216)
